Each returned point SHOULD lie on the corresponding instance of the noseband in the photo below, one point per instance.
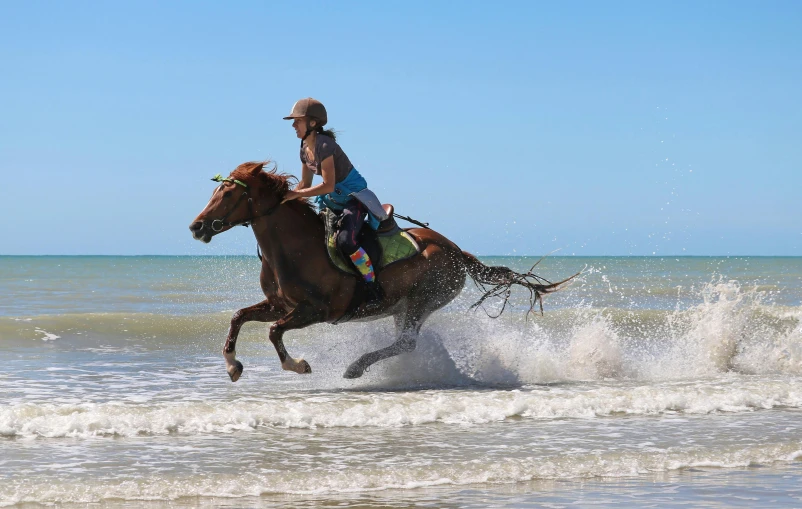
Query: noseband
(223, 223)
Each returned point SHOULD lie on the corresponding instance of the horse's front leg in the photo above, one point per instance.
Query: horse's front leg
(262, 312)
(304, 314)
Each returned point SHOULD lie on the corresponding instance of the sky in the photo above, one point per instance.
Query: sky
(514, 128)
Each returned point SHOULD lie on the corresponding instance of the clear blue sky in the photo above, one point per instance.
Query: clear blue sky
(602, 128)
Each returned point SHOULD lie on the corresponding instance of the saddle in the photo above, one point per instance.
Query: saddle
(386, 245)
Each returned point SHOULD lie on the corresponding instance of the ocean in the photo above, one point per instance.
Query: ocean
(649, 382)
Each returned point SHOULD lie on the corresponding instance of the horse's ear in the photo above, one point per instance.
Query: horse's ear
(257, 169)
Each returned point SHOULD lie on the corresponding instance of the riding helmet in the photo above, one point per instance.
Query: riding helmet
(311, 108)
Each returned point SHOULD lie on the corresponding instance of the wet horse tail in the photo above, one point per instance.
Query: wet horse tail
(497, 282)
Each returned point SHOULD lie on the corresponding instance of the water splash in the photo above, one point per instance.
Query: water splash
(730, 329)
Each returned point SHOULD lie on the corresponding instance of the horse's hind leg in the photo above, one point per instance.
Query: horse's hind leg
(408, 327)
(262, 312)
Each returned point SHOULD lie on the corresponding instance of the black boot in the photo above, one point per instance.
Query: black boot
(374, 297)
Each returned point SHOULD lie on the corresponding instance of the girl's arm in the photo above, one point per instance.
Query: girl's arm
(325, 187)
(306, 178)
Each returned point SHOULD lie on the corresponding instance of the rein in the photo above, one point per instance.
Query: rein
(245, 222)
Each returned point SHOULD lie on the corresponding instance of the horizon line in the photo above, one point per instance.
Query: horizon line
(480, 255)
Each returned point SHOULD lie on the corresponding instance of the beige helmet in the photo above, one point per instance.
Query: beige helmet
(311, 108)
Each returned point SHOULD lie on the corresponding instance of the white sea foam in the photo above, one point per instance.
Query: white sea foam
(46, 336)
(370, 478)
(394, 409)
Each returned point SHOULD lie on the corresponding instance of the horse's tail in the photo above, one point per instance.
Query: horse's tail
(502, 279)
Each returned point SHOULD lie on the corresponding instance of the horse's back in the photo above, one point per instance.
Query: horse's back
(427, 237)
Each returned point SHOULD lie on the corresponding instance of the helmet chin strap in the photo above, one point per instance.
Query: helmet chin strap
(309, 130)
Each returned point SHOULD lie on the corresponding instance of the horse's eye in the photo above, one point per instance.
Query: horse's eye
(226, 194)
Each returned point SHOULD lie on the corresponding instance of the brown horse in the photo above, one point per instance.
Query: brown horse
(302, 286)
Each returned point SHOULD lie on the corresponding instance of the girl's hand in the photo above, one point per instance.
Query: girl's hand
(290, 195)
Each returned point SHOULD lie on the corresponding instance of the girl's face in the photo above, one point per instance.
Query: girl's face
(299, 124)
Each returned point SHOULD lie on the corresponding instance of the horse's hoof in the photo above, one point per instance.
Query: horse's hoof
(354, 371)
(304, 367)
(235, 371)
(299, 366)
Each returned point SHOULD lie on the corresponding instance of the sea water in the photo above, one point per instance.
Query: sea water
(661, 382)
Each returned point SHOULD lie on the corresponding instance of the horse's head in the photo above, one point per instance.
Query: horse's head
(247, 194)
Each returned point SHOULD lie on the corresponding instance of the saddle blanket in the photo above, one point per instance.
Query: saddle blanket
(383, 248)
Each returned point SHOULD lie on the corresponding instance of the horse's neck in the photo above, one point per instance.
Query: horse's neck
(291, 230)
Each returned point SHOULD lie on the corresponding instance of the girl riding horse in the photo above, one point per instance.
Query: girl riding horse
(321, 155)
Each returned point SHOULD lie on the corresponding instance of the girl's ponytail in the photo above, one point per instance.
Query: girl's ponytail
(331, 133)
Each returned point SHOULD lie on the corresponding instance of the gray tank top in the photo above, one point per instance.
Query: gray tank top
(325, 146)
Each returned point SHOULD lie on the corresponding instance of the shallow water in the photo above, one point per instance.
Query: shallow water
(650, 381)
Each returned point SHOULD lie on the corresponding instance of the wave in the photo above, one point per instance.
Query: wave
(390, 409)
(143, 326)
(333, 480)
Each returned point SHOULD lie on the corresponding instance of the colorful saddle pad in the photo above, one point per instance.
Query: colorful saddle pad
(394, 246)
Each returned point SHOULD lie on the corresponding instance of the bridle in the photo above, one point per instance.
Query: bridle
(245, 222)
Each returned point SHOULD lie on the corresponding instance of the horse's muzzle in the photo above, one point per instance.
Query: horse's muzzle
(200, 232)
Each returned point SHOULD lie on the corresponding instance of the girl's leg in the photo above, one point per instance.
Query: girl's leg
(351, 222)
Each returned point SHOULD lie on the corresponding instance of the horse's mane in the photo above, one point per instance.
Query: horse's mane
(270, 180)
